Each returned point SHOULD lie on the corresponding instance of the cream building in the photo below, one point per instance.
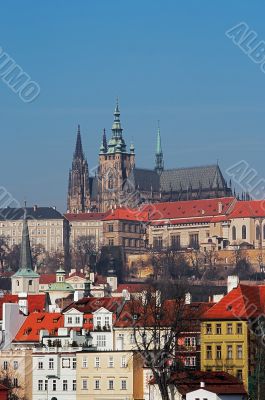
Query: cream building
(116, 375)
(47, 227)
(16, 365)
(86, 224)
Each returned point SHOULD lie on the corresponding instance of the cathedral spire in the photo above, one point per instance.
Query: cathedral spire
(25, 252)
(159, 158)
(116, 127)
(78, 147)
(104, 140)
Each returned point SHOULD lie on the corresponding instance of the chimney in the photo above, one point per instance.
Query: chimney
(220, 207)
(35, 207)
(232, 282)
(202, 385)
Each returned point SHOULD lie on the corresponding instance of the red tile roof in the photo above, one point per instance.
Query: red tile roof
(189, 208)
(77, 273)
(132, 287)
(244, 302)
(36, 302)
(30, 330)
(45, 279)
(216, 382)
(127, 214)
(247, 209)
(90, 304)
(85, 216)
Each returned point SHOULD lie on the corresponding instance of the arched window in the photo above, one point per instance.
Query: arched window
(264, 232)
(257, 232)
(244, 232)
(234, 233)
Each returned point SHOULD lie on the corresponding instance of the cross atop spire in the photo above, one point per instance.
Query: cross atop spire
(78, 147)
(159, 158)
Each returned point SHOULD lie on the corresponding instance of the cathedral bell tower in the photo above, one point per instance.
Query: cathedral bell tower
(115, 165)
(78, 187)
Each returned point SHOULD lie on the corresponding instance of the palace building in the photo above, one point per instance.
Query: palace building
(118, 182)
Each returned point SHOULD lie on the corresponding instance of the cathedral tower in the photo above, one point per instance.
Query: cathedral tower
(159, 158)
(78, 186)
(115, 165)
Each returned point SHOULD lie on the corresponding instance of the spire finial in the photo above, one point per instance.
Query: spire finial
(159, 163)
(79, 147)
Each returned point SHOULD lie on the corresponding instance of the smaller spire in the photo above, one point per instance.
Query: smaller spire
(159, 158)
(78, 147)
(104, 140)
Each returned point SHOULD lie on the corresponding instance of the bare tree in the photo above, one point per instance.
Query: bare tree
(84, 251)
(170, 264)
(4, 250)
(159, 317)
(11, 379)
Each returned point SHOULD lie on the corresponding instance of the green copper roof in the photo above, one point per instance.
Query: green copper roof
(25, 264)
(60, 287)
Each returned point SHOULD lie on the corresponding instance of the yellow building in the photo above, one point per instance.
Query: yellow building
(227, 343)
(116, 375)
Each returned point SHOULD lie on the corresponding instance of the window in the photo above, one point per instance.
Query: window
(74, 363)
(257, 232)
(84, 362)
(77, 320)
(101, 341)
(51, 363)
(110, 228)
(46, 385)
(111, 362)
(74, 385)
(98, 321)
(229, 352)
(15, 364)
(239, 329)
(40, 385)
(132, 338)
(111, 241)
(194, 240)
(208, 329)
(218, 329)
(190, 342)
(84, 384)
(111, 384)
(239, 352)
(65, 362)
(229, 329)
(123, 362)
(234, 233)
(158, 242)
(97, 384)
(190, 361)
(69, 320)
(54, 385)
(123, 384)
(264, 232)
(244, 232)
(97, 362)
(65, 385)
(219, 352)
(175, 241)
(40, 364)
(239, 374)
(208, 352)
(107, 321)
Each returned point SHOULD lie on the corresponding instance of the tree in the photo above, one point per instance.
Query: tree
(170, 264)
(257, 380)
(4, 250)
(159, 317)
(84, 252)
(11, 378)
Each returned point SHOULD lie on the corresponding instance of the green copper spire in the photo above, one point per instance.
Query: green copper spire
(159, 158)
(25, 264)
(116, 127)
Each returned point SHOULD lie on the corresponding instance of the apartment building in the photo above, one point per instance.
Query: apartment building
(47, 227)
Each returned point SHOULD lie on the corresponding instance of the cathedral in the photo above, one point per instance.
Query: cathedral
(118, 182)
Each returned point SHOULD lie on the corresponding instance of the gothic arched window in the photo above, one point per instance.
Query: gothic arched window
(257, 232)
(234, 233)
(244, 232)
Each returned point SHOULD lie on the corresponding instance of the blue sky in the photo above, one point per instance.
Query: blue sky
(166, 60)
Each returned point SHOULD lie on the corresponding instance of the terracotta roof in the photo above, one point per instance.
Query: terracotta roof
(189, 208)
(216, 382)
(36, 302)
(90, 304)
(132, 287)
(77, 273)
(86, 216)
(127, 214)
(244, 302)
(30, 330)
(247, 209)
(45, 279)
(100, 280)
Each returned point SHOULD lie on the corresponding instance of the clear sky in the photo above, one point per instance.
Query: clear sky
(166, 60)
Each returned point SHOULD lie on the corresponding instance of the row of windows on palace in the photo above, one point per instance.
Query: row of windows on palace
(31, 222)
(32, 232)
(175, 241)
(243, 232)
(229, 354)
(126, 227)
(43, 384)
(128, 242)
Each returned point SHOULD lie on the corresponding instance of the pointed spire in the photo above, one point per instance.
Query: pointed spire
(25, 252)
(159, 158)
(116, 127)
(79, 148)
(104, 140)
